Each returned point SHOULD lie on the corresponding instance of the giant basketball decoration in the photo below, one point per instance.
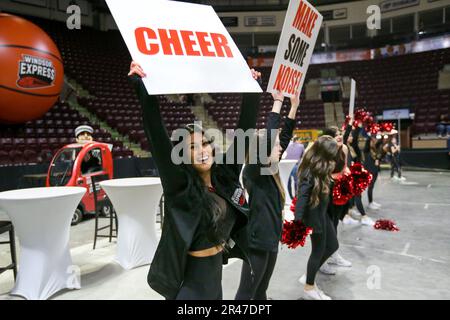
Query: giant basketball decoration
(31, 70)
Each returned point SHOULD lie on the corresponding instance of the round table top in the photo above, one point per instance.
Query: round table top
(131, 182)
(41, 193)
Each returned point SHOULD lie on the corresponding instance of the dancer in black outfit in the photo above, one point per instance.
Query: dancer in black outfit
(266, 201)
(205, 205)
(355, 155)
(394, 153)
(373, 153)
(314, 195)
(336, 212)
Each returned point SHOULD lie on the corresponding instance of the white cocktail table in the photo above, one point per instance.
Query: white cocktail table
(41, 219)
(135, 201)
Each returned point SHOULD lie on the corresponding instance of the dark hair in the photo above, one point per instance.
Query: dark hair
(207, 205)
(330, 131)
(318, 164)
(254, 147)
(340, 160)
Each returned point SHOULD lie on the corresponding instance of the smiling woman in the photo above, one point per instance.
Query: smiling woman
(205, 203)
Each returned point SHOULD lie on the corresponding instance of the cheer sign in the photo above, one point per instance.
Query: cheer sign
(300, 30)
(182, 47)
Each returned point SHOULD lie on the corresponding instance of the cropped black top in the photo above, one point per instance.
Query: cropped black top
(201, 240)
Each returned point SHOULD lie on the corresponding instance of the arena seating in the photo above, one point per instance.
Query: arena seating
(401, 81)
(101, 65)
(37, 141)
(388, 83)
(225, 110)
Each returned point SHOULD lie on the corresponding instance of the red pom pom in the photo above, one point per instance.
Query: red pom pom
(361, 178)
(346, 122)
(359, 116)
(366, 119)
(387, 127)
(343, 189)
(373, 128)
(294, 234)
(293, 203)
(388, 225)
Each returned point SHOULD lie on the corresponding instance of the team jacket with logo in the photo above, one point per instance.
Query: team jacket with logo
(182, 216)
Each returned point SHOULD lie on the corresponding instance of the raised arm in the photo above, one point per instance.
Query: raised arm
(273, 122)
(348, 130)
(247, 120)
(173, 178)
(253, 170)
(355, 142)
(289, 125)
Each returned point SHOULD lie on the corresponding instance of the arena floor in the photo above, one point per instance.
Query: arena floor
(413, 263)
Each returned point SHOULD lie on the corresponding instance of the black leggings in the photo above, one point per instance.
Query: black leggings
(254, 288)
(323, 246)
(372, 185)
(395, 166)
(359, 205)
(202, 279)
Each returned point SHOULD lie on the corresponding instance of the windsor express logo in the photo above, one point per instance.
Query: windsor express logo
(35, 72)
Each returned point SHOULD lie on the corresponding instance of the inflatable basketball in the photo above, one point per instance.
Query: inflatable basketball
(31, 67)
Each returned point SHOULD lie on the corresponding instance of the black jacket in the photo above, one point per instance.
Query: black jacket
(370, 156)
(182, 216)
(265, 221)
(311, 217)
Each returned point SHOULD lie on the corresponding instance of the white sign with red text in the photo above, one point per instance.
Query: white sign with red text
(300, 29)
(182, 47)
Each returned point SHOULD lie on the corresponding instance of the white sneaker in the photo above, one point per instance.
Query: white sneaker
(315, 294)
(373, 206)
(367, 221)
(395, 179)
(376, 204)
(337, 259)
(322, 294)
(355, 214)
(327, 269)
(349, 220)
(302, 279)
(402, 179)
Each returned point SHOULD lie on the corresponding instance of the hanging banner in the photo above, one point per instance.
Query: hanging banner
(300, 29)
(182, 47)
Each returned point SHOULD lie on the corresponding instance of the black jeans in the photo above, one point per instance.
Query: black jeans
(254, 288)
(323, 246)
